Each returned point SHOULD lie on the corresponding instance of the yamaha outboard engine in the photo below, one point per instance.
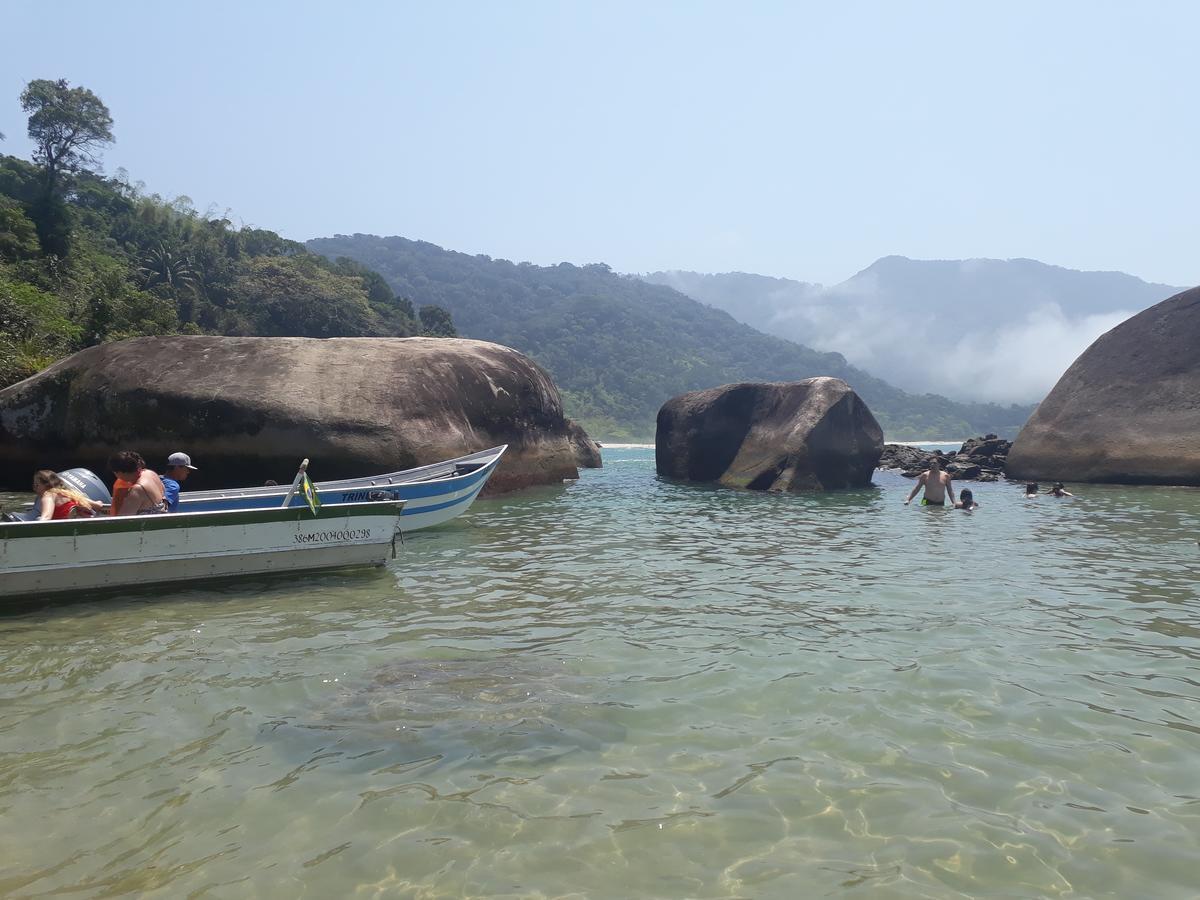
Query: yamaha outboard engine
(85, 481)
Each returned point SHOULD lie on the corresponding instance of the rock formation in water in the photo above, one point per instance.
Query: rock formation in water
(806, 435)
(1128, 410)
(587, 451)
(979, 459)
(249, 408)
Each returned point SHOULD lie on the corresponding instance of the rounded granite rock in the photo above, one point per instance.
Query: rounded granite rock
(806, 435)
(250, 408)
(1128, 410)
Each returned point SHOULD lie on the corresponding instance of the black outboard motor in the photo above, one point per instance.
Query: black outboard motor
(85, 481)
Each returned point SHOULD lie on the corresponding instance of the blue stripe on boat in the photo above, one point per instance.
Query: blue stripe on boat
(418, 490)
(415, 491)
(416, 511)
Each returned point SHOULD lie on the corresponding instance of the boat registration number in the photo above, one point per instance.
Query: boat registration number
(333, 537)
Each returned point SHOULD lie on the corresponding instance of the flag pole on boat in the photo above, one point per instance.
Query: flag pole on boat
(295, 483)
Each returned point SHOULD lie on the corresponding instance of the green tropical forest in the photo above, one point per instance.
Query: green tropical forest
(86, 258)
(619, 347)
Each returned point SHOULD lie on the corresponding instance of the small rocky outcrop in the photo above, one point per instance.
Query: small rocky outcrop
(809, 435)
(248, 409)
(1128, 410)
(979, 459)
(587, 451)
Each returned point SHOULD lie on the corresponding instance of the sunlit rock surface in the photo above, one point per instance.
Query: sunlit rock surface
(1128, 410)
(249, 408)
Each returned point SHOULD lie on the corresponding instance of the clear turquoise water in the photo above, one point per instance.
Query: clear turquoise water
(624, 687)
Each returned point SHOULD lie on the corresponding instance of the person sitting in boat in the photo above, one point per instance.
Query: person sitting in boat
(179, 467)
(120, 490)
(55, 500)
(147, 495)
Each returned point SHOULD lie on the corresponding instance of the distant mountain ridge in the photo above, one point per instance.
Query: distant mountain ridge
(987, 329)
(619, 347)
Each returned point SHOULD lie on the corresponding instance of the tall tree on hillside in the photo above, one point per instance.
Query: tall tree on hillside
(68, 127)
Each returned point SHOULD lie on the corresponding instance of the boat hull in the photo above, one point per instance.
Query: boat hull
(110, 552)
(432, 494)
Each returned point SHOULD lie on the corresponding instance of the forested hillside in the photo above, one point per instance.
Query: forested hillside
(619, 347)
(85, 258)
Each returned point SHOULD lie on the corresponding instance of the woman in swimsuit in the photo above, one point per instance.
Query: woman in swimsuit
(147, 496)
(57, 501)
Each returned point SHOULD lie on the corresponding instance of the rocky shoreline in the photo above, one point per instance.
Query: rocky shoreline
(979, 459)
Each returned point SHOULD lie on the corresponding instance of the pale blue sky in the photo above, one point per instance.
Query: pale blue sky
(789, 139)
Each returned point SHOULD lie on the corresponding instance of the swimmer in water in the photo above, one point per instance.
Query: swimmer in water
(1057, 490)
(936, 484)
(966, 500)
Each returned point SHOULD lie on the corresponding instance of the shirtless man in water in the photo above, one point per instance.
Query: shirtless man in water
(936, 484)
(147, 494)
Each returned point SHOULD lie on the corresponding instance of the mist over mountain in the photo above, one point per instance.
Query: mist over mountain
(618, 347)
(979, 329)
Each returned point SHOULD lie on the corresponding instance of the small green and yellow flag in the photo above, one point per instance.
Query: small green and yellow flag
(309, 490)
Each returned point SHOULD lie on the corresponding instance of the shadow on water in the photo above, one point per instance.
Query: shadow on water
(507, 711)
(239, 591)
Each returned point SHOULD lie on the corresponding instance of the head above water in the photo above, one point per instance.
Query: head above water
(935, 463)
(966, 498)
(1031, 487)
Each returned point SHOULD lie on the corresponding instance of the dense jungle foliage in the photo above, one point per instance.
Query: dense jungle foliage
(86, 259)
(618, 348)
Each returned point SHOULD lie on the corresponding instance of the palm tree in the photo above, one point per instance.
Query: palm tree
(166, 267)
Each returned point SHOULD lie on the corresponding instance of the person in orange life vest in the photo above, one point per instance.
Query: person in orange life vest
(146, 494)
(119, 492)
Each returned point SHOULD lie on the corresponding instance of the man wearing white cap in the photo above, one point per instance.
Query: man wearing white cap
(179, 466)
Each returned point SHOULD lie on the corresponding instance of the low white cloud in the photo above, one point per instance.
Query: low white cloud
(1020, 363)
(1015, 362)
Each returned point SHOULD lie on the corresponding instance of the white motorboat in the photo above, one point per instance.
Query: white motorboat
(78, 555)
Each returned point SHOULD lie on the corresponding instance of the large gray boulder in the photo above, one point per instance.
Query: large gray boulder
(806, 435)
(249, 408)
(1128, 410)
